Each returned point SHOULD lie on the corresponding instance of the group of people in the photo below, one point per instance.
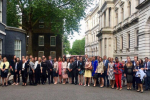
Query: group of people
(97, 70)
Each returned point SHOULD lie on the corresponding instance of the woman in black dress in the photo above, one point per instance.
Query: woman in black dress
(70, 71)
(4, 70)
(37, 67)
(24, 72)
(128, 73)
(43, 70)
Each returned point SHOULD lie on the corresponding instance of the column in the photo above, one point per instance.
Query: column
(107, 17)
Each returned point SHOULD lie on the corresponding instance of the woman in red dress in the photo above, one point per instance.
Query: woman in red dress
(118, 69)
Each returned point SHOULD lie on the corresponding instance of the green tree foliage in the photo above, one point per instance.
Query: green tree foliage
(66, 45)
(78, 47)
(63, 15)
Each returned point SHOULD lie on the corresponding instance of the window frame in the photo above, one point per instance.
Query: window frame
(51, 39)
(1, 46)
(1, 10)
(40, 51)
(17, 48)
(39, 41)
(51, 55)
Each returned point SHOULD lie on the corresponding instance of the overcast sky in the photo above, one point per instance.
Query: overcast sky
(82, 30)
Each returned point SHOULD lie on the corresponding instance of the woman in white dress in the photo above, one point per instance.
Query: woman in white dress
(64, 71)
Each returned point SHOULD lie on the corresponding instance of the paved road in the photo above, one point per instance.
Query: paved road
(68, 92)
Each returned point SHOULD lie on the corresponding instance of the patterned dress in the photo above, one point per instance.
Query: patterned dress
(111, 75)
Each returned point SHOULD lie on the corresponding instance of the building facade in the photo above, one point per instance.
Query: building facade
(12, 40)
(124, 28)
(45, 42)
(92, 27)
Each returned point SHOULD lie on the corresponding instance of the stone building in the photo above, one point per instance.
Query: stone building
(124, 28)
(92, 27)
(12, 40)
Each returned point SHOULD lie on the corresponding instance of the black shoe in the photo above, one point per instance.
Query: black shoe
(75, 84)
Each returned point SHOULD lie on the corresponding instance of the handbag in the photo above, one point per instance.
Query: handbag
(90, 68)
(65, 76)
(95, 76)
(5, 71)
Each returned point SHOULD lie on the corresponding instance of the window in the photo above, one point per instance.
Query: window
(115, 43)
(122, 14)
(18, 48)
(53, 54)
(109, 17)
(129, 8)
(53, 41)
(116, 18)
(136, 38)
(104, 19)
(0, 46)
(128, 40)
(40, 53)
(0, 10)
(41, 40)
(121, 43)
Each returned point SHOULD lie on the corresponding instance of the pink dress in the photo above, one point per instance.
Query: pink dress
(60, 68)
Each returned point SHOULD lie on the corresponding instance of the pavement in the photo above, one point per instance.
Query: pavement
(68, 92)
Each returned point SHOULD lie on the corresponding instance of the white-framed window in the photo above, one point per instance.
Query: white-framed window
(1, 10)
(17, 48)
(129, 8)
(121, 42)
(136, 38)
(115, 43)
(117, 18)
(41, 40)
(1, 46)
(40, 53)
(53, 41)
(122, 14)
(53, 54)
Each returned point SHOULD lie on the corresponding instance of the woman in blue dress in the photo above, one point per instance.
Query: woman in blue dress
(94, 65)
(81, 71)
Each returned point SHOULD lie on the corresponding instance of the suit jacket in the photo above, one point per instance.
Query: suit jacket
(25, 71)
(19, 66)
(106, 63)
(75, 66)
(49, 65)
(147, 71)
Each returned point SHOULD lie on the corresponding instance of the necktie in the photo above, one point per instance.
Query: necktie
(146, 64)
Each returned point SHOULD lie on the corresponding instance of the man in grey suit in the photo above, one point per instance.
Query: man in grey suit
(147, 71)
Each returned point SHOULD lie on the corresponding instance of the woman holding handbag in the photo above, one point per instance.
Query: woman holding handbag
(88, 72)
(64, 71)
(100, 71)
(4, 70)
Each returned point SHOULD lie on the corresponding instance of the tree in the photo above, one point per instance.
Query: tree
(66, 44)
(78, 47)
(63, 16)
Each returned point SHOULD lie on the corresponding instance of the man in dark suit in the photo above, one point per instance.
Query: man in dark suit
(147, 71)
(50, 69)
(75, 71)
(105, 61)
(134, 63)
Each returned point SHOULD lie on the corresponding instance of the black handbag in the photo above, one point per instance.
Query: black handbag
(6, 71)
(95, 75)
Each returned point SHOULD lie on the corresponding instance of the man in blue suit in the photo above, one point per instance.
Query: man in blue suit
(105, 61)
(147, 71)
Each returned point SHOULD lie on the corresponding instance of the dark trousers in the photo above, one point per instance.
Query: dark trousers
(134, 80)
(44, 77)
(50, 74)
(23, 77)
(147, 83)
(31, 78)
(75, 75)
(106, 78)
(16, 74)
(37, 76)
